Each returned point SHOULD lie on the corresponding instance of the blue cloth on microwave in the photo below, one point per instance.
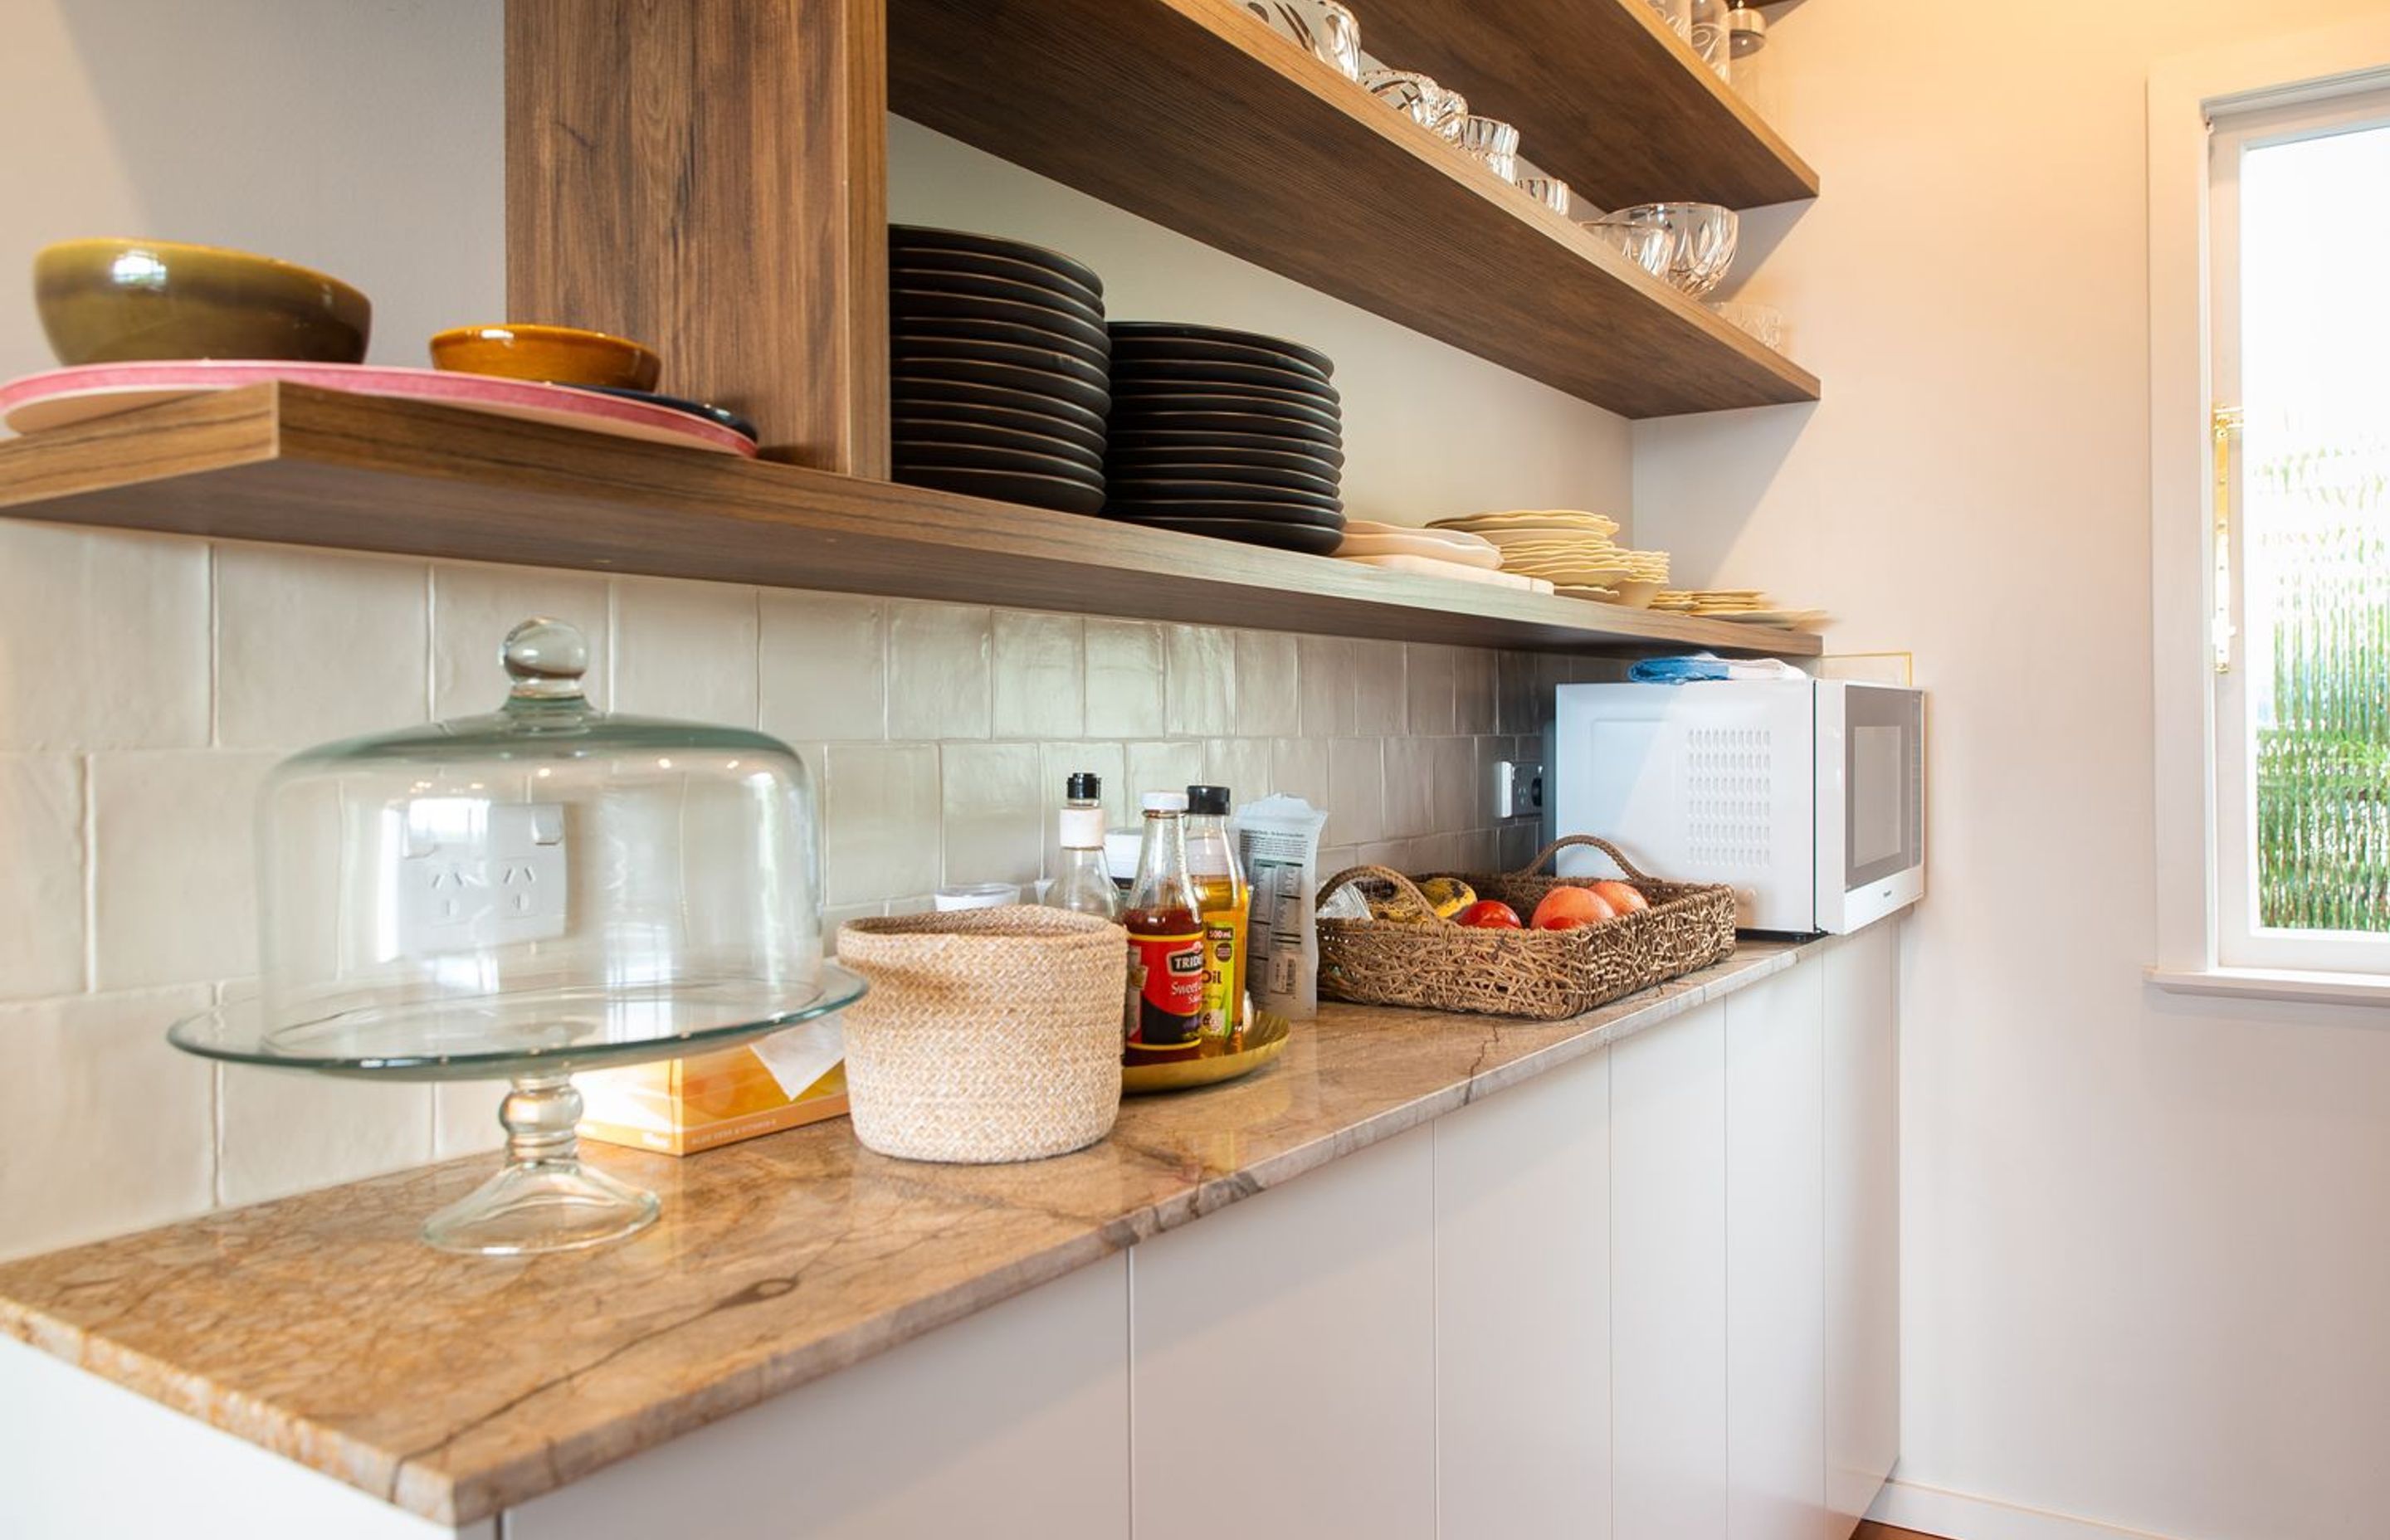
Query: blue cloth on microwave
(1694, 667)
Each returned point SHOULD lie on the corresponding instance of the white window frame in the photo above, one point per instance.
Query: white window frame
(2185, 93)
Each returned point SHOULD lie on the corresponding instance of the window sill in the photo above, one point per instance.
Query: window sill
(2271, 983)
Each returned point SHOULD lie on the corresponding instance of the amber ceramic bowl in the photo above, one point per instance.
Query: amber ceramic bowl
(118, 301)
(561, 355)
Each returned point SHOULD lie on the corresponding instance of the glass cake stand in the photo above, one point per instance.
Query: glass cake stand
(542, 1198)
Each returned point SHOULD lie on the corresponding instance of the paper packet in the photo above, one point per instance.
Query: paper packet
(1278, 842)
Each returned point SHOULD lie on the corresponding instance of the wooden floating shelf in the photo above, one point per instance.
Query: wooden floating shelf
(1604, 94)
(1194, 114)
(304, 466)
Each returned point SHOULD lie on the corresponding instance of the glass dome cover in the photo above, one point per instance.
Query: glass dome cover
(544, 888)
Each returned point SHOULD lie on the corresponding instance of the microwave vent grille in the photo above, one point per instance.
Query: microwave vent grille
(1728, 781)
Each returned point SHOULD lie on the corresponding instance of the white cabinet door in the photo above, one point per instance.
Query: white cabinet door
(1862, 1219)
(1012, 1423)
(1668, 1339)
(1775, 1262)
(1522, 1310)
(1283, 1357)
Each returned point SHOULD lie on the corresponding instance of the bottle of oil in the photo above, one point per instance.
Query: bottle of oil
(1226, 902)
(1165, 939)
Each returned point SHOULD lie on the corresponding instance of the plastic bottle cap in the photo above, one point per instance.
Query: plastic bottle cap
(1085, 786)
(1163, 801)
(1208, 800)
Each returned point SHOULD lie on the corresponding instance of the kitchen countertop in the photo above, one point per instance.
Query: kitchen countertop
(318, 1326)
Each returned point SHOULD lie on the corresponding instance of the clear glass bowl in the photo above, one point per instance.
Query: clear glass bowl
(1701, 241)
(1647, 246)
(1419, 98)
(1323, 28)
(1491, 141)
(541, 889)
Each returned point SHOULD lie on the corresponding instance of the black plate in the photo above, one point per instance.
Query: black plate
(911, 239)
(1053, 360)
(1172, 350)
(1271, 448)
(942, 395)
(1140, 408)
(907, 306)
(1129, 382)
(982, 277)
(1245, 531)
(926, 330)
(1179, 332)
(1173, 374)
(1133, 466)
(1117, 506)
(721, 416)
(1009, 486)
(971, 426)
(911, 455)
(1295, 432)
(1136, 489)
(1022, 380)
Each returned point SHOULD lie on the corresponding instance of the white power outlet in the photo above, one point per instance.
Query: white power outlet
(474, 873)
(1518, 790)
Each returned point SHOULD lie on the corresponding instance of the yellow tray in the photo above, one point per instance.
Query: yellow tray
(1266, 1041)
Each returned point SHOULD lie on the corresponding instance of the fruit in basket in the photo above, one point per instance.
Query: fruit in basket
(1621, 897)
(1446, 896)
(1490, 914)
(1564, 922)
(1565, 902)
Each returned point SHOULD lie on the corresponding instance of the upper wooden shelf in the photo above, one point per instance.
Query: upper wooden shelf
(1604, 94)
(313, 468)
(1194, 114)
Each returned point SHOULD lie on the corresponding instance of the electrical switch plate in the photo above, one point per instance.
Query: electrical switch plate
(1518, 790)
(473, 873)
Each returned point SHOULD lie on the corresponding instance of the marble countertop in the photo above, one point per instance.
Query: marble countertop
(318, 1326)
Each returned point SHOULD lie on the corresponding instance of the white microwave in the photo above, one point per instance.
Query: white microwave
(1805, 796)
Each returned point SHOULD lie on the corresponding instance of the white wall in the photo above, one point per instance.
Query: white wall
(147, 682)
(2147, 1241)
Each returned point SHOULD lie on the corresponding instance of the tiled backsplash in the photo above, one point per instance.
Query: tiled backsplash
(172, 672)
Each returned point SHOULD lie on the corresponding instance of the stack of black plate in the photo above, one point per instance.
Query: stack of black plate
(1000, 368)
(1224, 433)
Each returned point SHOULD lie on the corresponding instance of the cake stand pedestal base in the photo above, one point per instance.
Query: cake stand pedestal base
(543, 1198)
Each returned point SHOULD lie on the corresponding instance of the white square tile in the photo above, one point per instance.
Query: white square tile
(1357, 792)
(938, 671)
(1202, 680)
(113, 632)
(1457, 803)
(834, 917)
(110, 1129)
(1298, 768)
(1324, 685)
(1106, 762)
(995, 814)
(1385, 852)
(312, 646)
(1040, 675)
(1429, 688)
(1379, 690)
(1243, 765)
(822, 664)
(1170, 766)
(174, 865)
(1517, 679)
(879, 822)
(1337, 858)
(1519, 841)
(685, 649)
(1410, 788)
(474, 606)
(285, 1131)
(1128, 680)
(1473, 689)
(1268, 685)
(41, 876)
(1480, 850)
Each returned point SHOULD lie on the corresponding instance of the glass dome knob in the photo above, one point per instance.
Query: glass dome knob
(545, 658)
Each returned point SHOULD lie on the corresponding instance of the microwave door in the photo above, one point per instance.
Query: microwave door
(1871, 822)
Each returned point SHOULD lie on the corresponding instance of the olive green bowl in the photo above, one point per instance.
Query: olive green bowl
(119, 301)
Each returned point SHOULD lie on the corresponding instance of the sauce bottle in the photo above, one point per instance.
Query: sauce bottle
(1224, 903)
(1165, 939)
(1082, 882)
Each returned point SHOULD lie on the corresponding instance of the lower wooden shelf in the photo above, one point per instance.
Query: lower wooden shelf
(302, 467)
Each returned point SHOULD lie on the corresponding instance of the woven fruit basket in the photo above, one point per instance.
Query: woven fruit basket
(1436, 965)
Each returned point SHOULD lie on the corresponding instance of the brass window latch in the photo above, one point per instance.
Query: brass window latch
(2224, 426)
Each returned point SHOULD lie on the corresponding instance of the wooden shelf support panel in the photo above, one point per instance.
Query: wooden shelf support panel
(1195, 115)
(302, 467)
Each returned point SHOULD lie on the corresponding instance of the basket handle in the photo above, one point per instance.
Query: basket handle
(1626, 867)
(1402, 884)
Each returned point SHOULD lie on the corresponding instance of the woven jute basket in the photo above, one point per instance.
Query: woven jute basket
(988, 1035)
(1546, 974)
